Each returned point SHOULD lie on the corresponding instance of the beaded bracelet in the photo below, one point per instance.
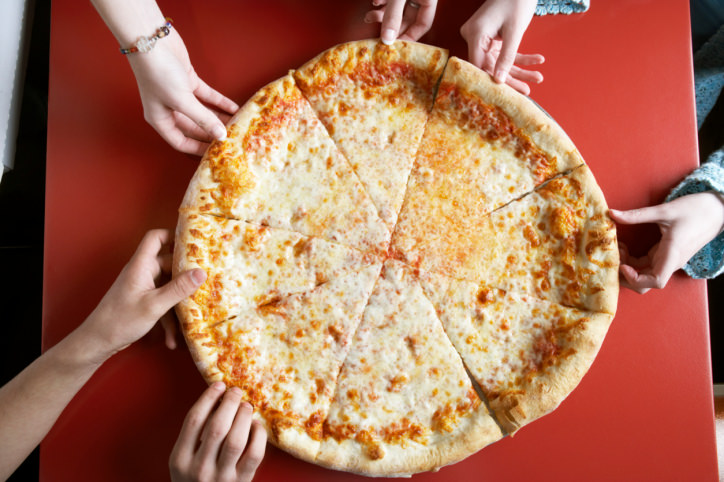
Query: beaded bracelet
(146, 44)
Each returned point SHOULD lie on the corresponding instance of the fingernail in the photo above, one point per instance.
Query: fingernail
(218, 386)
(198, 276)
(501, 75)
(236, 390)
(219, 133)
(388, 36)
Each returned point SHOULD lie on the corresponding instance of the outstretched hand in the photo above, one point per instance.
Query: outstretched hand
(182, 108)
(402, 19)
(687, 224)
(494, 33)
(137, 299)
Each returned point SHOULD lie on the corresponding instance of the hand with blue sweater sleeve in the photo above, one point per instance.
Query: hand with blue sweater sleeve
(691, 222)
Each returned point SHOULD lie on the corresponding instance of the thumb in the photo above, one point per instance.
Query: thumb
(652, 214)
(179, 288)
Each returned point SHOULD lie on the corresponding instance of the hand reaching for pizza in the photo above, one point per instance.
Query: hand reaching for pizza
(402, 19)
(175, 99)
(218, 440)
(135, 301)
(494, 33)
(176, 102)
(687, 224)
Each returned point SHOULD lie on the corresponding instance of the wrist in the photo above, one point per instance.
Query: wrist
(78, 353)
(130, 20)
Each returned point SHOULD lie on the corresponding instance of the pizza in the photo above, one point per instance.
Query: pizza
(406, 261)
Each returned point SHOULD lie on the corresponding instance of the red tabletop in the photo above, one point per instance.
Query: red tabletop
(619, 81)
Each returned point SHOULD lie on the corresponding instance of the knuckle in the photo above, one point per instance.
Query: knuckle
(195, 419)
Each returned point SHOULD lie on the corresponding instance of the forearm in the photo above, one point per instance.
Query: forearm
(129, 19)
(32, 401)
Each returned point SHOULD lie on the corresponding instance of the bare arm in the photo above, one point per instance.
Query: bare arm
(32, 402)
(182, 108)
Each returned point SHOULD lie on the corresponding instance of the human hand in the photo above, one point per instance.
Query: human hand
(402, 19)
(494, 33)
(687, 224)
(134, 303)
(175, 99)
(218, 440)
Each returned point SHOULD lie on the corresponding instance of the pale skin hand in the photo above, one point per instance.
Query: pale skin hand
(401, 20)
(182, 108)
(219, 441)
(31, 402)
(687, 224)
(493, 35)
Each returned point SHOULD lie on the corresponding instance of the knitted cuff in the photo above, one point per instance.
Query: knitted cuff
(709, 261)
(552, 7)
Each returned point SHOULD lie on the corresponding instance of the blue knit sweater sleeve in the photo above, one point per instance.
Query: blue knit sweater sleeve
(709, 261)
(551, 7)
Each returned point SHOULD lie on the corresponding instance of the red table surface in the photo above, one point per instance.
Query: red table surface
(619, 81)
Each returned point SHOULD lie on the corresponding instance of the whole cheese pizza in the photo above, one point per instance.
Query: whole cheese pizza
(405, 261)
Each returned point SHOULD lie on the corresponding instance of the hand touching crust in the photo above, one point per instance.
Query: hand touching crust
(137, 300)
(402, 19)
(175, 99)
(218, 440)
(687, 224)
(494, 33)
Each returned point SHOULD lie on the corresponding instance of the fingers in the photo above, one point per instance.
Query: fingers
(641, 282)
(238, 435)
(195, 421)
(421, 21)
(246, 467)
(653, 214)
(511, 41)
(218, 425)
(163, 121)
(215, 98)
(392, 21)
(168, 323)
(176, 290)
(152, 243)
(203, 116)
(218, 440)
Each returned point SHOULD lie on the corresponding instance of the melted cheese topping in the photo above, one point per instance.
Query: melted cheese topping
(248, 265)
(280, 168)
(402, 382)
(286, 355)
(374, 106)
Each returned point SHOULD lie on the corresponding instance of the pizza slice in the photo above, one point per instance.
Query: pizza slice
(484, 146)
(250, 265)
(279, 167)
(556, 243)
(526, 354)
(403, 401)
(286, 356)
(374, 100)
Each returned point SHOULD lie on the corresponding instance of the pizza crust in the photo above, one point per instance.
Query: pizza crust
(526, 115)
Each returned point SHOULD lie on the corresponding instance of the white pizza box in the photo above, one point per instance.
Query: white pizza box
(14, 41)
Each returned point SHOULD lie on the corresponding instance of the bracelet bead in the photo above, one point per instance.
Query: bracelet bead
(146, 44)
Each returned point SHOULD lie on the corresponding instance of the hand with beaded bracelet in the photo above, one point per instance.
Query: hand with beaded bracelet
(175, 99)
